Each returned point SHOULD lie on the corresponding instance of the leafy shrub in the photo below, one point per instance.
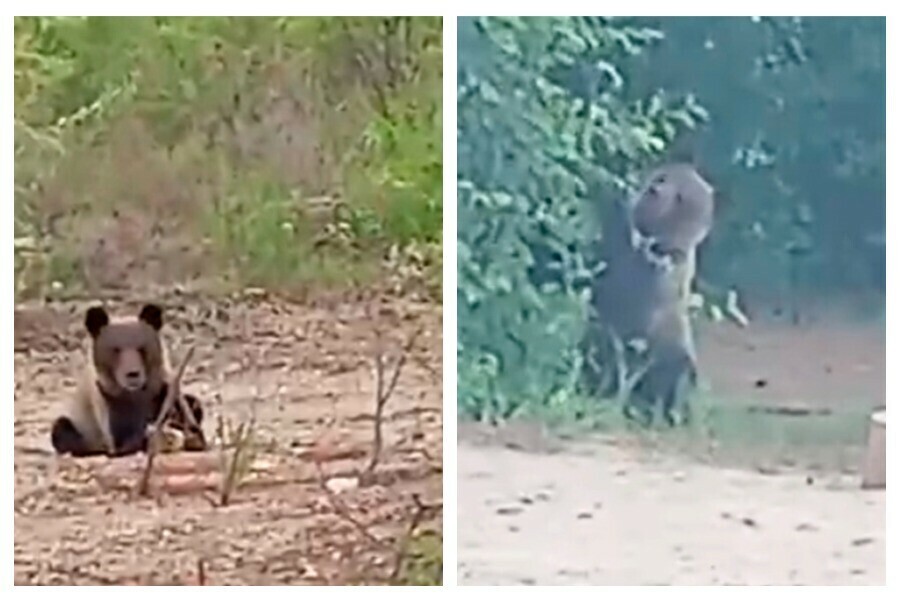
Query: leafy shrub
(537, 161)
(556, 116)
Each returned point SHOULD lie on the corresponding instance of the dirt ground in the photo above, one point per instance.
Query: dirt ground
(306, 372)
(629, 509)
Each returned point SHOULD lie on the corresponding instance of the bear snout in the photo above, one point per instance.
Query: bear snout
(133, 380)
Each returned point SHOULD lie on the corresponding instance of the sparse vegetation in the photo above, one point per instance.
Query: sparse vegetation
(154, 150)
(239, 170)
(240, 439)
(385, 383)
(423, 561)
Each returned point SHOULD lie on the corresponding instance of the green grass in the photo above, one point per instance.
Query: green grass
(727, 431)
(424, 560)
(198, 144)
(834, 439)
(260, 233)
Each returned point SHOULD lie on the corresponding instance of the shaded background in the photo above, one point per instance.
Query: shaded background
(558, 117)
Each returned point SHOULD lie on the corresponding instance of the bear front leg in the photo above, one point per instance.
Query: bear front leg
(194, 440)
(177, 420)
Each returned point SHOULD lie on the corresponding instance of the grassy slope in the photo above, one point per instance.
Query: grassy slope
(285, 153)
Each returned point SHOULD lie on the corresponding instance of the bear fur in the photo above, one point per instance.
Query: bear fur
(649, 248)
(122, 389)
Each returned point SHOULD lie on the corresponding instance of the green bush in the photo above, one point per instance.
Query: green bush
(536, 163)
(795, 141)
(556, 116)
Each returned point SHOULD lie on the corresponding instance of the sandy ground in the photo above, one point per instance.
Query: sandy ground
(622, 510)
(306, 373)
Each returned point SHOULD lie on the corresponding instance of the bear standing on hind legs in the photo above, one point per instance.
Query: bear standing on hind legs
(649, 247)
(122, 390)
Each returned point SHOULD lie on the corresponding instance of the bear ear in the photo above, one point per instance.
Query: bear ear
(95, 320)
(151, 314)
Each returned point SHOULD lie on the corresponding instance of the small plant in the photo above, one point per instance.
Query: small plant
(235, 466)
(256, 232)
(409, 551)
(423, 560)
(384, 387)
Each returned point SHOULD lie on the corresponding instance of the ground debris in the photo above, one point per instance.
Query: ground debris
(79, 522)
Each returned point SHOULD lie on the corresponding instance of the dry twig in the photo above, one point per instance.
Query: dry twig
(383, 394)
(153, 442)
(342, 509)
(421, 512)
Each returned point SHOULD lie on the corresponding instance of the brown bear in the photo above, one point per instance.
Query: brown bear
(122, 390)
(649, 247)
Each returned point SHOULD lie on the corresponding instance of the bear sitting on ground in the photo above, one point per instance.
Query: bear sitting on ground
(122, 390)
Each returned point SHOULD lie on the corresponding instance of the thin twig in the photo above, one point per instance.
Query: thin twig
(383, 394)
(342, 510)
(174, 389)
(201, 571)
(153, 442)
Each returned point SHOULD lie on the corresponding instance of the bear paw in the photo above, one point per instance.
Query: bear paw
(169, 440)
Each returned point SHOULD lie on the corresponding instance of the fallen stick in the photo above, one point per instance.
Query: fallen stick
(153, 442)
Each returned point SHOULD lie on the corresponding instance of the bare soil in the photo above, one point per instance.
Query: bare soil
(305, 372)
(773, 499)
(836, 365)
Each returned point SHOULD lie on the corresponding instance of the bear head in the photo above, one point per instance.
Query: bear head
(127, 354)
(674, 208)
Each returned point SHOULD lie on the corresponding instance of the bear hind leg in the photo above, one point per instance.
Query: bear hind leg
(67, 439)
